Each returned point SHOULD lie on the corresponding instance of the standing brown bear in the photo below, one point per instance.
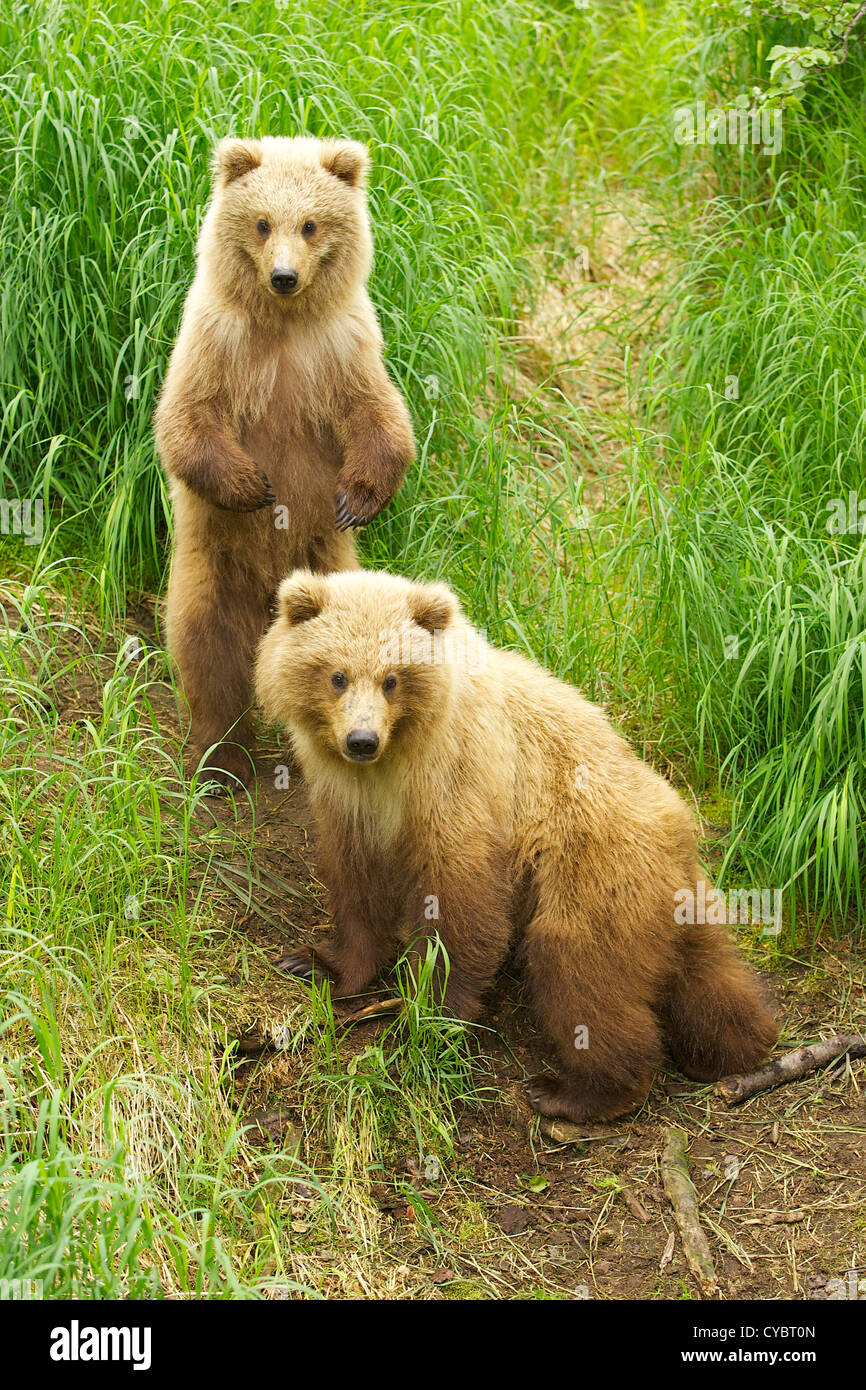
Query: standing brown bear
(465, 790)
(277, 423)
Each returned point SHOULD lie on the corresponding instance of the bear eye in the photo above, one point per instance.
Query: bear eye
(263, 226)
(340, 680)
(389, 684)
(308, 228)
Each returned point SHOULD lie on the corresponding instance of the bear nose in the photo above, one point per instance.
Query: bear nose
(284, 281)
(362, 743)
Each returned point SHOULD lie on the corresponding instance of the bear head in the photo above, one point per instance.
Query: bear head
(287, 227)
(358, 664)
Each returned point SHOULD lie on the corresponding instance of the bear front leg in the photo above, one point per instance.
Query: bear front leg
(378, 445)
(467, 906)
(215, 622)
(365, 910)
(196, 445)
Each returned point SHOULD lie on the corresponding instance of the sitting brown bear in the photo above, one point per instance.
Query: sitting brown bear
(464, 789)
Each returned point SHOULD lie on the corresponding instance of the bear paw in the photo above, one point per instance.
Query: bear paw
(247, 493)
(579, 1100)
(356, 506)
(302, 965)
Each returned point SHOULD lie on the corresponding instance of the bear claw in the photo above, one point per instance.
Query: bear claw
(299, 964)
(550, 1096)
(538, 1086)
(345, 518)
(267, 500)
(228, 778)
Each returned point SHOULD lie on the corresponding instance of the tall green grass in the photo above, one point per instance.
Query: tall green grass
(753, 603)
(123, 1170)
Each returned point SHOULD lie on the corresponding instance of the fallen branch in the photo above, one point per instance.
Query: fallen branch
(684, 1200)
(794, 1065)
(380, 1009)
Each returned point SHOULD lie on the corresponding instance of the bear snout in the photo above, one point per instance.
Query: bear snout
(361, 744)
(284, 279)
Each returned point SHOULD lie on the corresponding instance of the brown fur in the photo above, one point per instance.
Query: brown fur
(509, 797)
(271, 399)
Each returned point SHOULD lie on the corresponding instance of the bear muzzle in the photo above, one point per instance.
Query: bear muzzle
(362, 745)
(284, 279)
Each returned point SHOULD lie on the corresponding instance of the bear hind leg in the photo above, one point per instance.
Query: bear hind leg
(213, 630)
(714, 1015)
(607, 1038)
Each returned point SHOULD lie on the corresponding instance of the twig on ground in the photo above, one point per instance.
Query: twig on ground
(381, 1007)
(775, 1218)
(794, 1065)
(684, 1200)
(635, 1205)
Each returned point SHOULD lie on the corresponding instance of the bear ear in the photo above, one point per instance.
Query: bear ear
(347, 160)
(234, 158)
(301, 597)
(433, 606)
